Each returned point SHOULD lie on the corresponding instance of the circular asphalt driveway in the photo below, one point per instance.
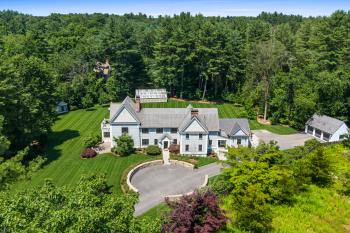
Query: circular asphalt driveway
(156, 182)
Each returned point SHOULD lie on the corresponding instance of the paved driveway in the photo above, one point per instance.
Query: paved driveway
(284, 141)
(156, 182)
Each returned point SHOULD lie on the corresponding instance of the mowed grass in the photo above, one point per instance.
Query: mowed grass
(226, 110)
(65, 145)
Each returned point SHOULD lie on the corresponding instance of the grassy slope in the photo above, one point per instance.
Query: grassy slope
(66, 142)
(318, 210)
(225, 111)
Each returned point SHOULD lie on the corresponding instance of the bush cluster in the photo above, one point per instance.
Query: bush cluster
(124, 145)
(88, 153)
(174, 149)
(92, 140)
(153, 150)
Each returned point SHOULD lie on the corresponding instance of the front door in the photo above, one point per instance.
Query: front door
(165, 144)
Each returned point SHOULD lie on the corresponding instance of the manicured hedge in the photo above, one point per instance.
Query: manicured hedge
(153, 150)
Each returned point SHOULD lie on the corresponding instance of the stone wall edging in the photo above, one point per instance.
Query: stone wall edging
(149, 164)
(137, 168)
(177, 197)
(182, 163)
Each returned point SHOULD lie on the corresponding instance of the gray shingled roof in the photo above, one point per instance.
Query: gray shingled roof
(177, 117)
(162, 117)
(180, 117)
(232, 125)
(325, 123)
(113, 108)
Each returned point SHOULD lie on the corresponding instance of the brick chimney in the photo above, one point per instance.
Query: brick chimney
(194, 112)
(138, 104)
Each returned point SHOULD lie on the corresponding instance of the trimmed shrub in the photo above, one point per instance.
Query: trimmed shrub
(174, 149)
(125, 145)
(88, 153)
(153, 150)
(92, 140)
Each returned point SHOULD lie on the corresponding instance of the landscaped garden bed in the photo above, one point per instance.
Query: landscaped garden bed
(195, 160)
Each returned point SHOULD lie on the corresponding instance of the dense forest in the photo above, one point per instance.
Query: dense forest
(283, 67)
(280, 66)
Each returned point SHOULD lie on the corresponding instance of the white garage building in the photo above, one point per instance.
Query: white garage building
(326, 128)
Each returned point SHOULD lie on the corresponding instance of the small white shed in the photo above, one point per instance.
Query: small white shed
(62, 107)
(151, 95)
(326, 128)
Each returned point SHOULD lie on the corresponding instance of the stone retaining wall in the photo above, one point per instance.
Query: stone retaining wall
(182, 163)
(149, 164)
(177, 197)
(137, 168)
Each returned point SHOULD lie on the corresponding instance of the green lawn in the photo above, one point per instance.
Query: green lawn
(316, 211)
(160, 210)
(226, 110)
(65, 144)
(200, 161)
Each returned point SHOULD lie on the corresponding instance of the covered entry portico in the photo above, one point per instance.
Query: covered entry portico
(165, 141)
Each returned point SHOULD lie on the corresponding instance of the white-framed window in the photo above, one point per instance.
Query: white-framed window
(175, 141)
(222, 143)
(239, 141)
(200, 136)
(187, 136)
(145, 130)
(200, 147)
(145, 142)
(173, 130)
(155, 141)
(187, 148)
(125, 130)
(210, 142)
(159, 130)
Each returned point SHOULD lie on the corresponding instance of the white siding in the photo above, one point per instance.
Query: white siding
(134, 132)
(193, 141)
(124, 117)
(342, 130)
(194, 127)
(152, 134)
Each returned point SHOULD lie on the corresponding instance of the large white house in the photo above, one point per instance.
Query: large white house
(197, 131)
(326, 128)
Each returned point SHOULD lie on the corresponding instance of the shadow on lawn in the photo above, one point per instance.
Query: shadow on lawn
(55, 139)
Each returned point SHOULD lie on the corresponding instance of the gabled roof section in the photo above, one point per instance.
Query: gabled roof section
(116, 109)
(325, 123)
(166, 135)
(233, 125)
(188, 123)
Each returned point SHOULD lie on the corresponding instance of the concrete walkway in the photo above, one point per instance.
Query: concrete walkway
(166, 156)
(284, 141)
(156, 182)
